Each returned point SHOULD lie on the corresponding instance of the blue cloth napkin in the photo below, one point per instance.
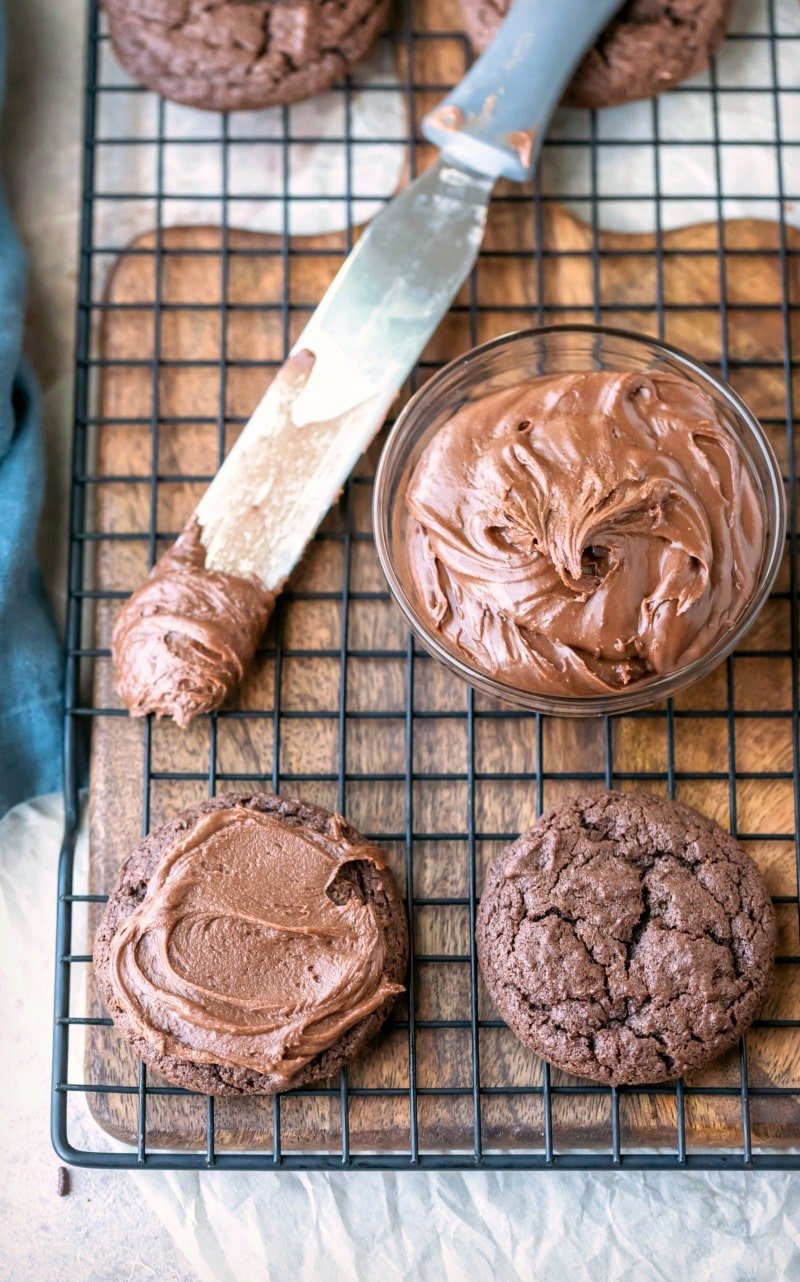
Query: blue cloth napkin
(30, 663)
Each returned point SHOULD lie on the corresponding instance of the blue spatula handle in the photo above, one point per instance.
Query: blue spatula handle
(494, 120)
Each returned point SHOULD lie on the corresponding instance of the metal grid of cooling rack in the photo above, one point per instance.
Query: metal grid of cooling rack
(770, 85)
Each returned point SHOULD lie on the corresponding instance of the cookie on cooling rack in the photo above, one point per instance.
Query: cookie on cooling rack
(626, 938)
(650, 46)
(223, 55)
(250, 945)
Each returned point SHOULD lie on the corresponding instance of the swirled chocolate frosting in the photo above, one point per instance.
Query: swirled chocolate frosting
(183, 640)
(574, 535)
(242, 953)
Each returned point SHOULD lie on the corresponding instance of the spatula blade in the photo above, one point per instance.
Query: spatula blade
(329, 399)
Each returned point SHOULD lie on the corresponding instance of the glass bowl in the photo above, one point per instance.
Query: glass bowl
(552, 350)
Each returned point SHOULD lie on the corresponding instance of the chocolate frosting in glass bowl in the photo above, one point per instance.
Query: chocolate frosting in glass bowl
(582, 534)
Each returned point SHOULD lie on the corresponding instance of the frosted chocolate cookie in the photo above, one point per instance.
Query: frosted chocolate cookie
(231, 55)
(650, 46)
(626, 938)
(250, 945)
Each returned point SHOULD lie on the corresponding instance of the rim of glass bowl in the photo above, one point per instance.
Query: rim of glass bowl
(771, 486)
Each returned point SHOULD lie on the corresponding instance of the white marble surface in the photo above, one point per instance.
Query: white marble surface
(126, 1225)
(103, 1230)
(346, 1227)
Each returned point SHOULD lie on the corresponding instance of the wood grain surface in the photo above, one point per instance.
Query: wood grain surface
(724, 758)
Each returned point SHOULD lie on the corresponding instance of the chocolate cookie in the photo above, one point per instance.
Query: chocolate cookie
(650, 46)
(234, 55)
(626, 938)
(250, 945)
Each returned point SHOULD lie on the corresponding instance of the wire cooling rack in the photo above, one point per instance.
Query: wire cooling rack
(440, 776)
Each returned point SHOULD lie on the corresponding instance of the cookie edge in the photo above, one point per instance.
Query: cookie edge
(215, 1079)
(496, 984)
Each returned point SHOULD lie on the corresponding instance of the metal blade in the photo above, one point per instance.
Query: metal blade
(329, 399)
(395, 287)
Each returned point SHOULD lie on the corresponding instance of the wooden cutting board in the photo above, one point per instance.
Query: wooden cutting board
(299, 691)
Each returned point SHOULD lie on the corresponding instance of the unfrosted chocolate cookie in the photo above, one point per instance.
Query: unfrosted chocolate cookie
(250, 945)
(626, 938)
(650, 46)
(232, 55)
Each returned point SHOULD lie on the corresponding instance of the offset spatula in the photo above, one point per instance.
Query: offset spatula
(332, 394)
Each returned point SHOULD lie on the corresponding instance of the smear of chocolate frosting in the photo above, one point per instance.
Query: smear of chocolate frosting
(577, 534)
(241, 952)
(183, 640)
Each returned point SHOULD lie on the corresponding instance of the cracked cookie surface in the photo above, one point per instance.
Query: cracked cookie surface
(650, 46)
(232, 55)
(626, 938)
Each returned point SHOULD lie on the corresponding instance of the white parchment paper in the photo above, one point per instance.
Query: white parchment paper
(479, 1227)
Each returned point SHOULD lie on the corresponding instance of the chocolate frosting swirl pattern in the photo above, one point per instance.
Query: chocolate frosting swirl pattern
(579, 533)
(248, 949)
(183, 640)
